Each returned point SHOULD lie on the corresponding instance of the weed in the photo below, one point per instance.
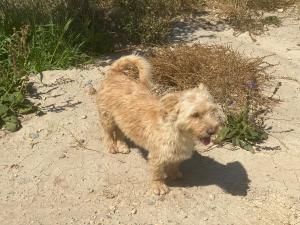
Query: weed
(242, 129)
(26, 52)
(249, 15)
(51, 48)
(271, 20)
(13, 80)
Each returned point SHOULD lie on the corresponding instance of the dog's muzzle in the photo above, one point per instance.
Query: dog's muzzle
(205, 141)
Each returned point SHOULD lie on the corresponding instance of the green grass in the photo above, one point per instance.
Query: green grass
(242, 129)
(50, 48)
(31, 51)
(271, 20)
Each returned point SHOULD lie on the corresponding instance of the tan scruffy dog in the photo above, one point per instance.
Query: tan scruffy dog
(167, 127)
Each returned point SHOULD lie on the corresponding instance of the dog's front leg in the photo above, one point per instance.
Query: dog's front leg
(173, 171)
(158, 178)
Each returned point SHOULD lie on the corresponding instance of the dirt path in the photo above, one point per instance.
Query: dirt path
(55, 171)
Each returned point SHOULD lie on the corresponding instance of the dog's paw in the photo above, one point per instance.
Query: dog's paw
(123, 148)
(174, 175)
(113, 150)
(159, 188)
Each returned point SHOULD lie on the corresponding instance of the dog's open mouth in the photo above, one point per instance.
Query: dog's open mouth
(205, 141)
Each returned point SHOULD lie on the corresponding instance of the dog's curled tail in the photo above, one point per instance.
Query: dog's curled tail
(141, 63)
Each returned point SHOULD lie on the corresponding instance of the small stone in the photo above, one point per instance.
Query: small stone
(91, 191)
(84, 117)
(134, 211)
(91, 90)
(150, 202)
(33, 135)
(205, 219)
(62, 156)
(108, 194)
(212, 197)
(280, 10)
(88, 82)
(81, 141)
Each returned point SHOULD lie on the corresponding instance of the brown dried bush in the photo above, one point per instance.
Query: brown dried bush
(230, 77)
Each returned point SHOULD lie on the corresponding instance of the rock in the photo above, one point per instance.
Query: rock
(91, 90)
(212, 197)
(62, 156)
(81, 141)
(150, 202)
(108, 194)
(34, 135)
(134, 211)
(88, 82)
(280, 10)
(84, 117)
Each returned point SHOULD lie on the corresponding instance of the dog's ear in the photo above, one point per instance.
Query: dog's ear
(169, 103)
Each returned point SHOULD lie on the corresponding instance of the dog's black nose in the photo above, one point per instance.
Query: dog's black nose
(211, 131)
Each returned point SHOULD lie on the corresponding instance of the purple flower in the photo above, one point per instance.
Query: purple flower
(231, 104)
(252, 84)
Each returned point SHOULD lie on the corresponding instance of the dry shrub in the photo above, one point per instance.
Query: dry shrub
(266, 5)
(269, 5)
(229, 76)
(248, 15)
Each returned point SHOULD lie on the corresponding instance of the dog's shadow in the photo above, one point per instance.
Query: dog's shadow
(203, 171)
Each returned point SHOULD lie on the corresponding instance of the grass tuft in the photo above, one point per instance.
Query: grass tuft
(30, 51)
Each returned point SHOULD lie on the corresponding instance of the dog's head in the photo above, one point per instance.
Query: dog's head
(193, 112)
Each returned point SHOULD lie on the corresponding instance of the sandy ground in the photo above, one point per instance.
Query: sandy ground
(55, 171)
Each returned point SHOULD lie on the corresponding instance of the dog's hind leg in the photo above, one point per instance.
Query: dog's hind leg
(108, 131)
(122, 147)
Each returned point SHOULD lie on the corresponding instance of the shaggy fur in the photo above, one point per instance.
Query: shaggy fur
(166, 127)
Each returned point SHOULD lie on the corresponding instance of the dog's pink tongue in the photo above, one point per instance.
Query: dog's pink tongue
(205, 141)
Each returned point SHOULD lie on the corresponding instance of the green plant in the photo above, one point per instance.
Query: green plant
(31, 51)
(13, 80)
(51, 47)
(241, 130)
(271, 20)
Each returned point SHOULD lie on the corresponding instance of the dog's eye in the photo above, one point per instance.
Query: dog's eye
(196, 115)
